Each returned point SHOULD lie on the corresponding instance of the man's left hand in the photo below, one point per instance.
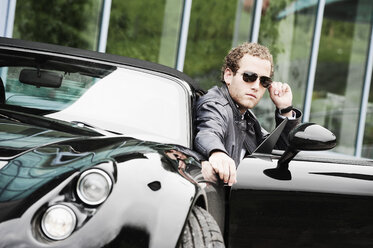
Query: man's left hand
(281, 94)
(208, 172)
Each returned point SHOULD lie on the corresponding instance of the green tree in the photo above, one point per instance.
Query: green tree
(71, 23)
(209, 40)
(136, 28)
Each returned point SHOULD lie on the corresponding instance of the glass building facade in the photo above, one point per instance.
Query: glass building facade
(322, 48)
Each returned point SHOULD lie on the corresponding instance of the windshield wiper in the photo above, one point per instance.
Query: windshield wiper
(82, 124)
(8, 118)
(45, 122)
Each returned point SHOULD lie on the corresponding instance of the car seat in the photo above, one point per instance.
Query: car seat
(2, 92)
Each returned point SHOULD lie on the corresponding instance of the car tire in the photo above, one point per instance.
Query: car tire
(201, 230)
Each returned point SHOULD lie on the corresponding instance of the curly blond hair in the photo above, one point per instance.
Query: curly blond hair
(235, 55)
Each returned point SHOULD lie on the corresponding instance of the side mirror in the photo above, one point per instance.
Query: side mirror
(311, 137)
(304, 137)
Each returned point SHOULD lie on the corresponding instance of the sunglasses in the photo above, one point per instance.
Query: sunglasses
(252, 77)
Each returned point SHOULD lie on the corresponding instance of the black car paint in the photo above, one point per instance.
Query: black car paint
(50, 174)
(324, 204)
(299, 202)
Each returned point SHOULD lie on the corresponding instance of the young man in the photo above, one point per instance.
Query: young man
(226, 127)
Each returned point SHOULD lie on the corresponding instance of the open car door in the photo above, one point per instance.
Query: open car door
(315, 200)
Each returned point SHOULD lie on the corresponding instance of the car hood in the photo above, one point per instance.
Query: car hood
(17, 138)
(41, 167)
(33, 157)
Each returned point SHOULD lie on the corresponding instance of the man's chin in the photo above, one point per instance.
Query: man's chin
(250, 105)
(247, 105)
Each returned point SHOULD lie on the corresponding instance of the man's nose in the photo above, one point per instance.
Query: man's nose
(255, 84)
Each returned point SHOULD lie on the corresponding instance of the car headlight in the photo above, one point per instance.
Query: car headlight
(58, 222)
(94, 186)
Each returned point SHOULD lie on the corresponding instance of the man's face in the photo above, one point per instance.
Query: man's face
(247, 94)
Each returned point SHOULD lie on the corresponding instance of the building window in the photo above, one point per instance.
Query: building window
(287, 28)
(147, 30)
(210, 38)
(367, 149)
(67, 23)
(340, 70)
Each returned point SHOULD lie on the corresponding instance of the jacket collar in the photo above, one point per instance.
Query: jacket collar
(238, 116)
(232, 103)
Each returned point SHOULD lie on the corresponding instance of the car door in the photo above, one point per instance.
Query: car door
(326, 202)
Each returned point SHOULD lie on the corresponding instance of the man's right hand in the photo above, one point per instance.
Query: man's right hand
(224, 167)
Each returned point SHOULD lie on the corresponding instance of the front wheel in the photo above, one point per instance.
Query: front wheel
(201, 230)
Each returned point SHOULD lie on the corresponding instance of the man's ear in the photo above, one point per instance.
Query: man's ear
(228, 76)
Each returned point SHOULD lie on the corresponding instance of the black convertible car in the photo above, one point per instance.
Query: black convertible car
(96, 151)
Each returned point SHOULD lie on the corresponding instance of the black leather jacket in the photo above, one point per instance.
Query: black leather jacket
(220, 126)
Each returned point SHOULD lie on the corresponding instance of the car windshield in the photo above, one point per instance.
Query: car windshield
(125, 100)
